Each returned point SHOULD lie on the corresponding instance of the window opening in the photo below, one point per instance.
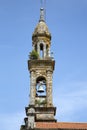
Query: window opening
(47, 50)
(35, 47)
(41, 51)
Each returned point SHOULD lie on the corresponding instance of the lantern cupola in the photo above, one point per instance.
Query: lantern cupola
(41, 38)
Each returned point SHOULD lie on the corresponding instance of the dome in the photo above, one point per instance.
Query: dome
(41, 30)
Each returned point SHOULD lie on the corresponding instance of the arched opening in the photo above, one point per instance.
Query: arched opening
(41, 86)
(41, 99)
(47, 50)
(41, 50)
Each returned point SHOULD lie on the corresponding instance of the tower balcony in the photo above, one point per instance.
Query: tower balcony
(35, 56)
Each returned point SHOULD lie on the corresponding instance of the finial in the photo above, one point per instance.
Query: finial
(41, 14)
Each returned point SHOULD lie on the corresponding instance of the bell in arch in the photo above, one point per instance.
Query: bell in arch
(41, 87)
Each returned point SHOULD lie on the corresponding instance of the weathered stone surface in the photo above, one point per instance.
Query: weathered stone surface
(41, 72)
(42, 68)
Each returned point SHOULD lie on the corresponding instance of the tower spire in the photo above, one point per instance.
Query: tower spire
(42, 14)
(43, 10)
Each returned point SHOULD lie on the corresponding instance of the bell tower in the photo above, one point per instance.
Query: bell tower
(41, 67)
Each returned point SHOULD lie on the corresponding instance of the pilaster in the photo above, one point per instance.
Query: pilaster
(49, 88)
(32, 87)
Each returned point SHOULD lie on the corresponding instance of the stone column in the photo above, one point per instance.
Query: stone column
(38, 48)
(33, 47)
(49, 88)
(31, 118)
(32, 88)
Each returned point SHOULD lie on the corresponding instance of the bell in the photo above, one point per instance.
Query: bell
(40, 89)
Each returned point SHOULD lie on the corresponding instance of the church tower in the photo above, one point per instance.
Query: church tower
(41, 66)
(40, 112)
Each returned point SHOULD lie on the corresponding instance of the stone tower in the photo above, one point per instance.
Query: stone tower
(41, 66)
(40, 111)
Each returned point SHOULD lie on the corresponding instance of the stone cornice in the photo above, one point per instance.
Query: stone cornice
(33, 64)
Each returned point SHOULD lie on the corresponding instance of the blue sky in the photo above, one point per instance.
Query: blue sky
(67, 22)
